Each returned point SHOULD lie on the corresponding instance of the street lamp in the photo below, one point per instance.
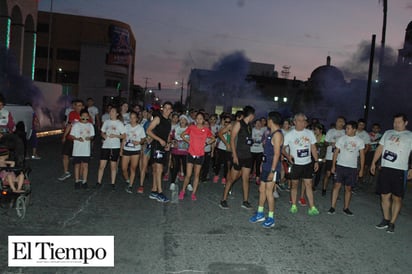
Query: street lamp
(181, 90)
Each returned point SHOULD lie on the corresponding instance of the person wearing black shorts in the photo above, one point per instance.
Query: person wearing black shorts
(394, 149)
(241, 141)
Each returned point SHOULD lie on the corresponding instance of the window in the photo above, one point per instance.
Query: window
(68, 54)
(112, 83)
(41, 52)
(43, 27)
(71, 77)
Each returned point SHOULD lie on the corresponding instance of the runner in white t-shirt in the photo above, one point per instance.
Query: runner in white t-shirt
(131, 146)
(395, 147)
(345, 165)
(301, 143)
(82, 134)
(112, 132)
(331, 137)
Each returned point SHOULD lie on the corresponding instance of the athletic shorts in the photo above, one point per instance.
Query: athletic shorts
(302, 172)
(392, 181)
(246, 163)
(81, 159)
(265, 174)
(328, 165)
(110, 154)
(67, 148)
(158, 156)
(346, 175)
(131, 152)
(195, 160)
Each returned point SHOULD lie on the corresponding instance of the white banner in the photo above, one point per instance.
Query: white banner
(61, 251)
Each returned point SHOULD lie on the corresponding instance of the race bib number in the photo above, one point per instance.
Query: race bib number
(302, 153)
(390, 156)
(159, 154)
(249, 142)
(129, 143)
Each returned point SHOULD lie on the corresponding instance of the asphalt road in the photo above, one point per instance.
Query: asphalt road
(199, 237)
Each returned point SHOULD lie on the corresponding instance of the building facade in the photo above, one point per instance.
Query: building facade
(90, 57)
(18, 23)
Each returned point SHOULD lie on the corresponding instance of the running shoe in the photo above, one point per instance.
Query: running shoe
(64, 176)
(215, 179)
(77, 185)
(258, 181)
(194, 198)
(172, 187)
(269, 223)
(153, 195)
(347, 212)
(189, 187)
(276, 194)
(293, 209)
(223, 204)
(258, 217)
(113, 187)
(181, 195)
(84, 185)
(162, 198)
(383, 224)
(129, 189)
(98, 185)
(166, 177)
(302, 201)
(391, 228)
(181, 177)
(331, 211)
(246, 205)
(223, 181)
(313, 211)
(140, 190)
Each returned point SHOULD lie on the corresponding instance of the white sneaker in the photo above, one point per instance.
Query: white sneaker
(275, 194)
(189, 187)
(172, 187)
(64, 176)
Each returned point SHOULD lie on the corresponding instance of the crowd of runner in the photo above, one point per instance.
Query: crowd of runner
(274, 152)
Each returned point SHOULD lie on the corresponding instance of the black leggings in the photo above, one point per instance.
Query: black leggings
(257, 161)
(177, 161)
(223, 157)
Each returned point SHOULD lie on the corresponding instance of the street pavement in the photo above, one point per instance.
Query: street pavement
(198, 236)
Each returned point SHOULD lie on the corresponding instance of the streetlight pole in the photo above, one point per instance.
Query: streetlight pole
(181, 92)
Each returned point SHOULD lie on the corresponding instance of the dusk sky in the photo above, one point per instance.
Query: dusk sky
(173, 36)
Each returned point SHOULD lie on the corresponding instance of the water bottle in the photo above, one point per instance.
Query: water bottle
(175, 195)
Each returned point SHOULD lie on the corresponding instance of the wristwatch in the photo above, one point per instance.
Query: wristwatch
(273, 170)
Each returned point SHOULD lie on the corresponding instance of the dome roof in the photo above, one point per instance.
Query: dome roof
(327, 76)
(409, 27)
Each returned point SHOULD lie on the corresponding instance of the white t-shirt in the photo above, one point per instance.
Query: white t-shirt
(257, 136)
(133, 134)
(112, 127)
(397, 146)
(332, 136)
(364, 136)
(299, 143)
(83, 130)
(349, 147)
(93, 112)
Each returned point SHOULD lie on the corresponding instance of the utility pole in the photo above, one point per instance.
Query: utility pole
(49, 42)
(368, 89)
(145, 89)
(382, 53)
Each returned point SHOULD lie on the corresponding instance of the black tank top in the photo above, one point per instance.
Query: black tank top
(244, 138)
(162, 129)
